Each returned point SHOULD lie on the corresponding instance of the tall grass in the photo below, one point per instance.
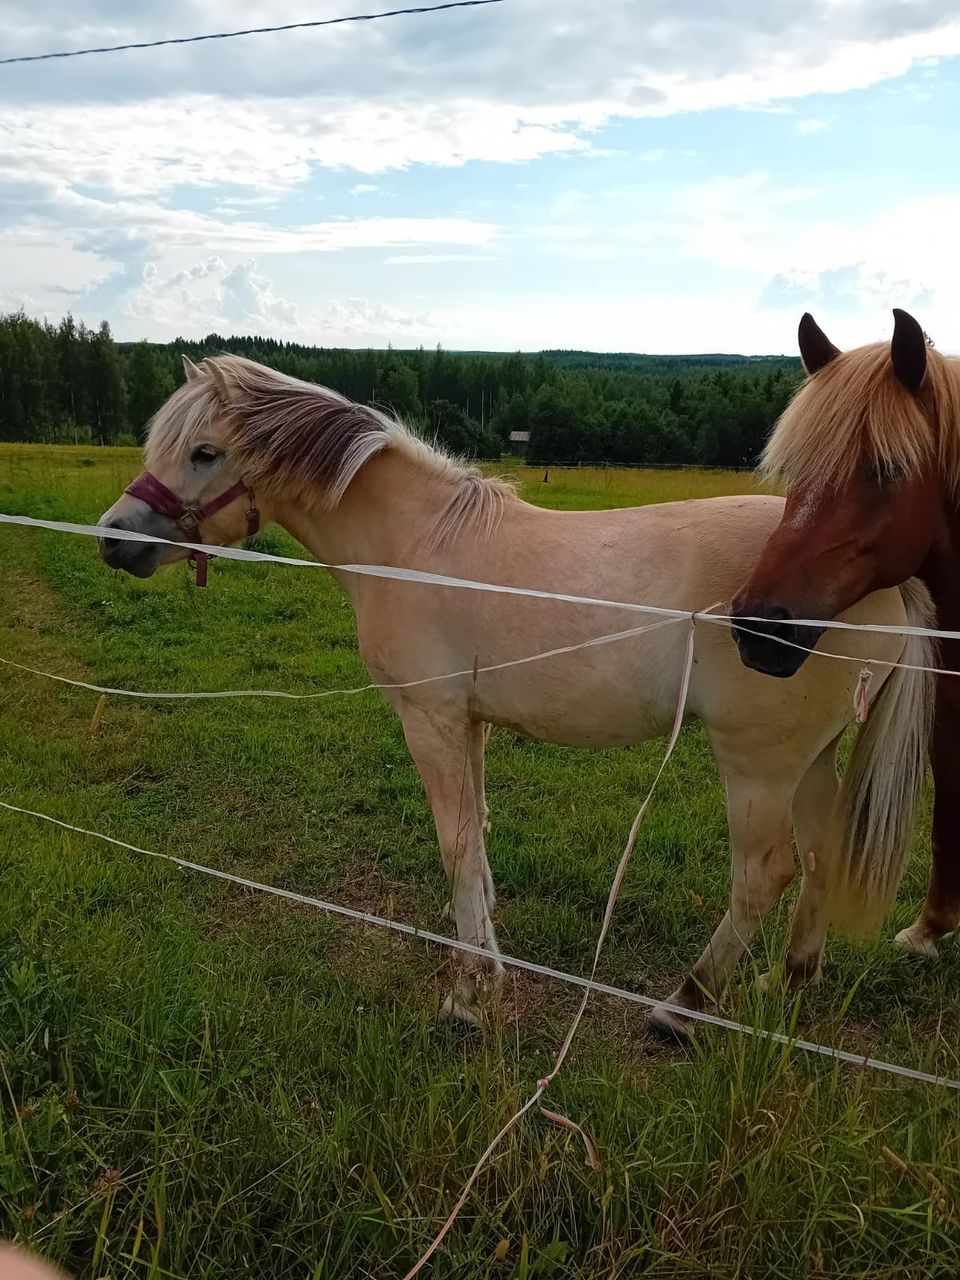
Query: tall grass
(199, 1083)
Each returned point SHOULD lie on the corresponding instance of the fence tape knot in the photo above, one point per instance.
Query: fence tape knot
(861, 695)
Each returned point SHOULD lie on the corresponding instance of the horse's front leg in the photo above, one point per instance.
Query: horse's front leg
(941, 910)
(479, 737)
(441, 741)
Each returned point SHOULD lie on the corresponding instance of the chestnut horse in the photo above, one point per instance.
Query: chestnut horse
(357, 487)
(869, 449)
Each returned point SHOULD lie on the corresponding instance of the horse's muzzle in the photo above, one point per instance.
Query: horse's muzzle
(141, 559)
(769, 640)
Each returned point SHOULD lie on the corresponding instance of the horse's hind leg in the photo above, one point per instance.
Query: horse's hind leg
(440, 743)
(762, 866)
(941, 910)
(814, 807)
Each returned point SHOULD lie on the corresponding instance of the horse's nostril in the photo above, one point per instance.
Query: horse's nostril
(778, 629)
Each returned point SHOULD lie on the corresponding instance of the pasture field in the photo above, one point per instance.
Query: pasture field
(198, 1083)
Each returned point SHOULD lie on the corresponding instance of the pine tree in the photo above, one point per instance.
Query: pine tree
(149, 383)
(108, 391)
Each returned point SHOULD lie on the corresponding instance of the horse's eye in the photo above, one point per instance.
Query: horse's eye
(205, 453)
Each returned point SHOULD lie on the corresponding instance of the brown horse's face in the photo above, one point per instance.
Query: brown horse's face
(830, 550)
(835, 545)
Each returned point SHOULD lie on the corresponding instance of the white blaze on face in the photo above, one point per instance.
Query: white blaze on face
(807, 510)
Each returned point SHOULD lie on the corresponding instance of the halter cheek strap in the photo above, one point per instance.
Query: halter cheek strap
(188, 519)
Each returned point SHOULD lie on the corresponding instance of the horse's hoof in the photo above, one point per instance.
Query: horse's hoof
(917, 940)
(669, 1026)
(453, 1009)
(770, 983)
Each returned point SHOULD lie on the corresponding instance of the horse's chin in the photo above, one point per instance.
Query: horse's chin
(768, 658)
(142, 568)
(130, 557)
(774, 666)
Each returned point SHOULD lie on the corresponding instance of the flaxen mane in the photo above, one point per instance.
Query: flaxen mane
(300, 436)
(855, 410)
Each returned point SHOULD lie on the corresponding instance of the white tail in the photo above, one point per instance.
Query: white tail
(881, 784)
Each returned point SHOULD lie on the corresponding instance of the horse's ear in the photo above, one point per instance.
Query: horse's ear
(190, 369)
(908, 350)
(816, 349)
(226, 387)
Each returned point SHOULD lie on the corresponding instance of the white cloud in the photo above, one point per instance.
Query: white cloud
(505, 85)
(848, 286)
(44, 276)
(150, 148)
(60, 214)
(633, 53)
(97, 155)
(211, 296)
(666, 323)
(235, 206)
(790, 252)
(655, 154)
(66, 244)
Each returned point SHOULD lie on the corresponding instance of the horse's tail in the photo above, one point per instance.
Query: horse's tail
(877, 803)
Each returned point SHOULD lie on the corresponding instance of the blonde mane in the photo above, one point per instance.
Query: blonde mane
(294, 435)
(855, 410)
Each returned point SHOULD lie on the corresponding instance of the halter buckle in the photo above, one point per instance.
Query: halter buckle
(189, 520)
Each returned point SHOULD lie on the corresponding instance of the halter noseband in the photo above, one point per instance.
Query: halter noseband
(165, 502)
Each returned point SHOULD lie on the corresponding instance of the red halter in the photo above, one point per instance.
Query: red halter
(165, 502)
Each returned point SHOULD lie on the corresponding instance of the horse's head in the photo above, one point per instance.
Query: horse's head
(861, 450)
(193, 490)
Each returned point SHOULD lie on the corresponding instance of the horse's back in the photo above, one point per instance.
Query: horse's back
(685, 556)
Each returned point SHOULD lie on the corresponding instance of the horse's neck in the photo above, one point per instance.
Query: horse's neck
(939, 574)
(386, 516)
(939, 568)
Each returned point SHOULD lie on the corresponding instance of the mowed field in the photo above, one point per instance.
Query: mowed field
(201, 1082)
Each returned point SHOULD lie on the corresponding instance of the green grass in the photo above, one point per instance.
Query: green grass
(198, 1082)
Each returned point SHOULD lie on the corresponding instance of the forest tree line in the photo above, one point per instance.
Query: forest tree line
(69, 383)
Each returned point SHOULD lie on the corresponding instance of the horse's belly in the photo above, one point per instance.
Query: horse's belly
(566, 734)
(592, 714)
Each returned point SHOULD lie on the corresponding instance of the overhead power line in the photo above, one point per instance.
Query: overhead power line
(251, 31)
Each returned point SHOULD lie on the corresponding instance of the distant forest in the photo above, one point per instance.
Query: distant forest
(68, 383)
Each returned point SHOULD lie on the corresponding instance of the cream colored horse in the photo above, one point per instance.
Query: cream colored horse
(355, 487)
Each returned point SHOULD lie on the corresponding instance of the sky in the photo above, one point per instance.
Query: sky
(622, 176)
